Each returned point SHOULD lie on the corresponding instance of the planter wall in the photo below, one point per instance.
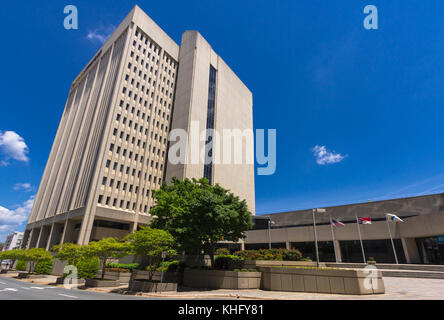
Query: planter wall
(101, 283)
(220, 279)
(272, 263)
(151, 286)
(338, 281)
(167, 276)
(123, 277)
(25, 275)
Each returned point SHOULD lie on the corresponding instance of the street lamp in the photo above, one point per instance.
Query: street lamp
(270, 222)
(317, 210)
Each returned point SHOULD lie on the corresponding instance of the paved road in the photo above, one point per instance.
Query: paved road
(12, 289)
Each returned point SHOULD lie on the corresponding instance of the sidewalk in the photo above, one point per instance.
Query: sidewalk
(396, 289)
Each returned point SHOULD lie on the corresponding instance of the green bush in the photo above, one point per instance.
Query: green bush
(292, 255)
(222, 251)
(172, 266)
(127, 266)
(21, 265)
(87, 268)
(228, 262)
(43, 266)
(245, 270)
(271, 254)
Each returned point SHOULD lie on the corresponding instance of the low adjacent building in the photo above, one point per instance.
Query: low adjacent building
(419, 239)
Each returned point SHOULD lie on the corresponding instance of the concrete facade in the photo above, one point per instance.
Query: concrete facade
(111, 147)
(233, 111)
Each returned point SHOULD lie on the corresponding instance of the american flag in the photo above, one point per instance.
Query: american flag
(337, 223)
(364, 220)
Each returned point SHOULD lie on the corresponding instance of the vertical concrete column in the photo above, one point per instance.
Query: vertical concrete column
(50, 237)
(133, 226)
(410, 250)
(25, 240)
(39, 237)
(34, 238)
(338, 251)
(242, 245)
(43, 238)
(287, 245)
(68, 231)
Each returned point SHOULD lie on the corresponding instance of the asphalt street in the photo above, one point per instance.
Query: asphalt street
(12, 289)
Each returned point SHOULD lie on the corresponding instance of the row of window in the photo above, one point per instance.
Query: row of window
(128, 205)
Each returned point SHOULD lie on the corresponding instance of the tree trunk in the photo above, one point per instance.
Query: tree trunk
(211, 254)
(103, 268)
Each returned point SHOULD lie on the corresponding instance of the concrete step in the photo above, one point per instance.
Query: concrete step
(387, 266)
(413, 274)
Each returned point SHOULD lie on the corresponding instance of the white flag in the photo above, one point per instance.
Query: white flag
(393, 217)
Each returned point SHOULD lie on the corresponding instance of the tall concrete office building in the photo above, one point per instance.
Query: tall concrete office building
(111, 147)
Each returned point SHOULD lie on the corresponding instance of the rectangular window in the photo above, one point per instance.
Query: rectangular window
(208, 164)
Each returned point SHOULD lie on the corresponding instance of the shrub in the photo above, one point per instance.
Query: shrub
(292, 255)
(245, 270)
(43, 266)
(228, 262)
(271, 254)
(222, 251)
(128, 267)
(21, 265)
(88, 268)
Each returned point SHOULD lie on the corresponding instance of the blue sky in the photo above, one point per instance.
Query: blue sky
(372, 98)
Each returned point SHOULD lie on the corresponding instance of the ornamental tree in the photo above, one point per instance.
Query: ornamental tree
(199, 215)
(151, 242)
(105, 249)
(69, 252)
(35, 255)
(12, 255)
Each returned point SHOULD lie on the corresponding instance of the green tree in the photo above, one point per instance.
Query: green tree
(12, 255)
(105, 249)
(69, 252)
(34, 256)
(151, 242)
(199, 215)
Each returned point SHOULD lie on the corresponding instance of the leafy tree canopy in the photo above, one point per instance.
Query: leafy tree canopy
(151, 242)
(199, 215)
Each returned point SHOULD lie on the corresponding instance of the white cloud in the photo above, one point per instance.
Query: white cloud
(23, 186)
(100, 34)
(323, 156)
(12, 146)
(10, 219)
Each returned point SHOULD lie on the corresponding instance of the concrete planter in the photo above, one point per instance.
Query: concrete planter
(101, 283)
(61, 280)
(338, 281)
(123, 277)
(167, 276)
(220, 279)
(24, 275)
(272, 263)
(151, 286)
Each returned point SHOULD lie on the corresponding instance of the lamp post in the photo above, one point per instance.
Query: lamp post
(270, 222)
(317, 210)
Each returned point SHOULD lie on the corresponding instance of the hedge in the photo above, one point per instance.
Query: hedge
(126, 266)
(21, 265)
(228, 262)
(271, 254)
(43, 267)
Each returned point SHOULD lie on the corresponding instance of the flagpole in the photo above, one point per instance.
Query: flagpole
(316, 239)
(391, 239)
(360, 239)
(333, 238)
